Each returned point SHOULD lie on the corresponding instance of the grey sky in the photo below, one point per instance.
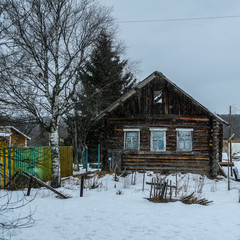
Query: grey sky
(201, 56)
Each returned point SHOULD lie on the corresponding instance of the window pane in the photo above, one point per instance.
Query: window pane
(180, 133)
(132, 134)
(186, 133)
(160, 145)
(135, 143)
(128, 143)
(181, 139)
(158, 96)
(187, 145)
(155, 145)
(181, 145)
(157, 134)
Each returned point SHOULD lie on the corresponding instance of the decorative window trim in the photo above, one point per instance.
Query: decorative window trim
(184, 130)
(131, 129)
(125, 130)
(156, 129)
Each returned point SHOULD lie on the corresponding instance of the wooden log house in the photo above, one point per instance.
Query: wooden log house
(12, 137)
(157, 126)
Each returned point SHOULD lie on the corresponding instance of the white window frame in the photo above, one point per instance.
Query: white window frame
(164, 130)
(125, 135)
(184, 130)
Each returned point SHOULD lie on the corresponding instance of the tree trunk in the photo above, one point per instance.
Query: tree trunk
(55, 155)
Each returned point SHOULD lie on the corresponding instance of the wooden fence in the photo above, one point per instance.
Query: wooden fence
(36, 161)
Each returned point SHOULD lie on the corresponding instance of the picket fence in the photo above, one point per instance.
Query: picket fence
(36, 161)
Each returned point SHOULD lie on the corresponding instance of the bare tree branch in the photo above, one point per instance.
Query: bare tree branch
(46, 43)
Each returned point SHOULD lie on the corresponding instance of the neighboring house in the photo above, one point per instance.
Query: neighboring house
(157, 126)
(12, 137)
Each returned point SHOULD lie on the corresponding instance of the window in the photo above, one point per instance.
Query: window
(131, 139)
(158, 139)
(157, 96)
(184, 139)
(158, 102)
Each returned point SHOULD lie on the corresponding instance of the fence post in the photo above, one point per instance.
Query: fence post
(99, 152)
(86, 159)
(13, 161)
(81, 186)
(29, 186)
(4, 167)
(9, 164)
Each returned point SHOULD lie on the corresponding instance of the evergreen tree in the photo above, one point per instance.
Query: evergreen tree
(104, 78)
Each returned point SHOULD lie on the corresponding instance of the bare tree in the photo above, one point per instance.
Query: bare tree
(10, 217)
(46, 43)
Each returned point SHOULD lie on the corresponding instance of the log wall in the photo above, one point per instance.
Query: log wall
(197, 161)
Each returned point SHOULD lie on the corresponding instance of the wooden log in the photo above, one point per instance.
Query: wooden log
(12, 178)
(225, 164)
(45, 185)
(222, 171)
(188, 197)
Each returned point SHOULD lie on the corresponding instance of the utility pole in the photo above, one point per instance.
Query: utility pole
(230, 138)
(76, 159)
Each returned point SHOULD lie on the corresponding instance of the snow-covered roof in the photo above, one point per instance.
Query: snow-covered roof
(144, 83)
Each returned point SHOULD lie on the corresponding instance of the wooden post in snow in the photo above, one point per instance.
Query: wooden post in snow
(143, 179)
(229, 141)
(151, 189)
(29, 186)
(81, 185)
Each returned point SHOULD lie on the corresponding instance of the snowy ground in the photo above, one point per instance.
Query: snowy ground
(102, 214)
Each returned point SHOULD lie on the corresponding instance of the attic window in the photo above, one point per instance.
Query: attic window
(158, 97)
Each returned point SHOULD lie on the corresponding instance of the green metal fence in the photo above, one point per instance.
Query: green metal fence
(36, 161)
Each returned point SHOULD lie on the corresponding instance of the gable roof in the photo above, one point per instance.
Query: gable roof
(5, 131)
(144, 83)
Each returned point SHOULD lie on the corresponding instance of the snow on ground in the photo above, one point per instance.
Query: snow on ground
(102, 214)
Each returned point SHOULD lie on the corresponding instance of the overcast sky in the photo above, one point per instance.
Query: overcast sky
(201, 56)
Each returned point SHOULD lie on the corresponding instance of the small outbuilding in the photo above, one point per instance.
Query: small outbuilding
(12, 137)
(157, 126)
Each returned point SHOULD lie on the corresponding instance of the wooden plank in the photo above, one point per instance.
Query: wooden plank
(45, 185)
(66, 158)
(225, 164)
(164, 157)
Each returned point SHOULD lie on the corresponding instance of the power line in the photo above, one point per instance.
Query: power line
(179, 19)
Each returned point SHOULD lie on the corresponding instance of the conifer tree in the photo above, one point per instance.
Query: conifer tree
(104, 78)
